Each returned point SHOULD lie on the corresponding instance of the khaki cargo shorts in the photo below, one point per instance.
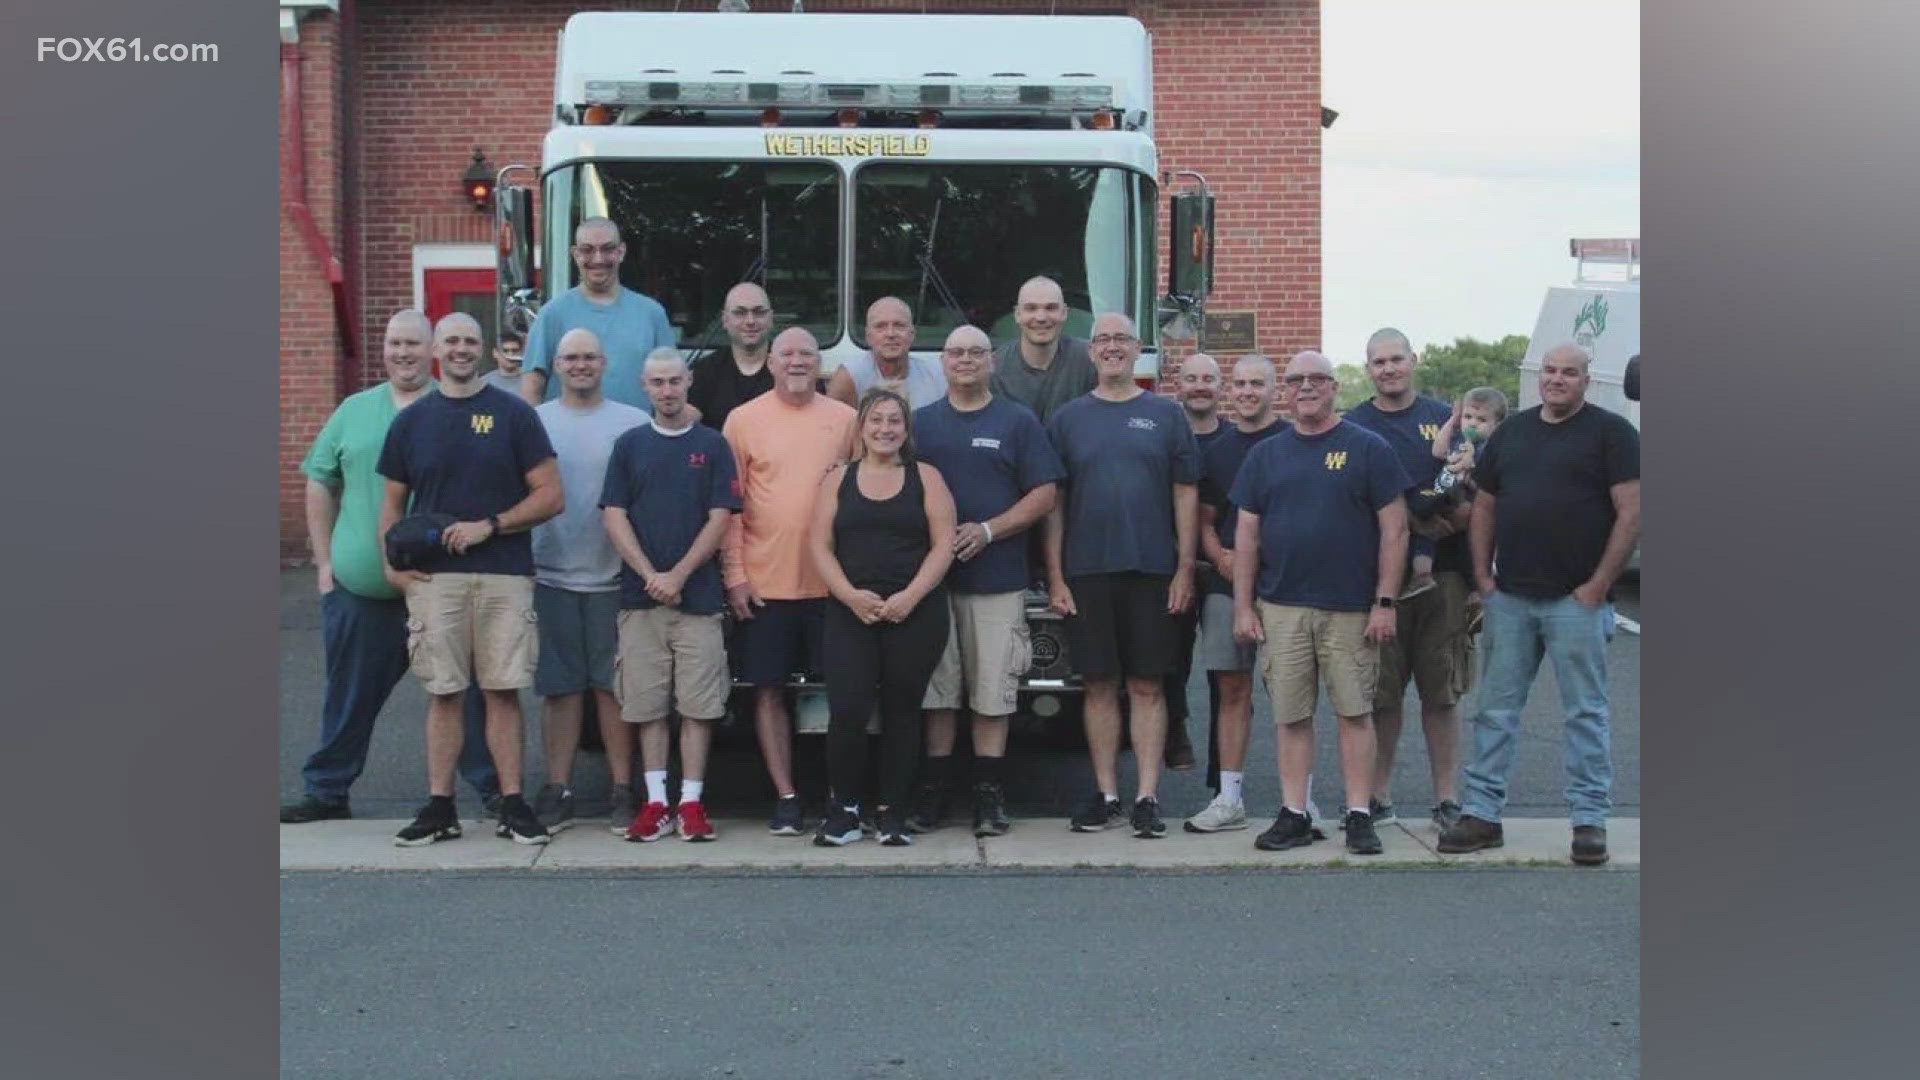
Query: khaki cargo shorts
(463, 628)
(669, 657)
(1427, 645)
(1305, 645)
(988, 649)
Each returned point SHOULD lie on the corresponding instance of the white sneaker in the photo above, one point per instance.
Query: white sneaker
(1219, 816)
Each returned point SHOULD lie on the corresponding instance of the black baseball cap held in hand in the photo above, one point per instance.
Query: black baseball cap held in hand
(416, 543)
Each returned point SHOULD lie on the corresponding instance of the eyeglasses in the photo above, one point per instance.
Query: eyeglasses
(1113, 339)
(1311, 379)
(585, 250)
(749, 312)
(972, 352)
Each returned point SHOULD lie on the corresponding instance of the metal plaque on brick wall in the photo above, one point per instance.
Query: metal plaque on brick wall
(1227, 332)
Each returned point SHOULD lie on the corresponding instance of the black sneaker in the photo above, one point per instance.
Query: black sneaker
(436, 821)
(839, 828)
(1289, 830)
(518, 823)
(989, 810)
(1380, 812)
(1446, 815)
(1095, 814)
(787, 819)
(929, 809)
(490, 806)
(314, 808)
(1361, 839)
(1146, 819)
(893, 828)
(553, 805)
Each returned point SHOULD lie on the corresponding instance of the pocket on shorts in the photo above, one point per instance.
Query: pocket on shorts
(1020, 647)
(524, 655)
(416, 637)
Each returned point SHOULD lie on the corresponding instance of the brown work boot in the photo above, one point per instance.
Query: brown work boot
(1471, 834)
(1589, 845)
(1179, 754)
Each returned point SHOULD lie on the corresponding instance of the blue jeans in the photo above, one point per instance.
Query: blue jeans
(366, 645)
(1574, 637)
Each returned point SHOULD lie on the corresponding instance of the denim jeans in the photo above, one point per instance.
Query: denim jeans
(1519, 631)
(366, 647)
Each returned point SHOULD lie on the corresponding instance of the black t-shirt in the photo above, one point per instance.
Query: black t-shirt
(469, 457)
(719, 388)
(1220, 462)
(1410, 432)
(1553, 491)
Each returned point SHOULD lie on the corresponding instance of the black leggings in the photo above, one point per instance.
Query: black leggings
(888, 665)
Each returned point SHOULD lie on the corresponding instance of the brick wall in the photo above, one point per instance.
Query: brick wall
(1237, 91)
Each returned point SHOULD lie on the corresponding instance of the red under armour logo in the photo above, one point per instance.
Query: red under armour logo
(698, 461)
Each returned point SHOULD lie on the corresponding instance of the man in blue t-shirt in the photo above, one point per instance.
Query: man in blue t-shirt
(1004, 477)
(1120, 564)
(1427, 649)
(1321, 541)
(629, 325)
(671, 486)
(479, 455)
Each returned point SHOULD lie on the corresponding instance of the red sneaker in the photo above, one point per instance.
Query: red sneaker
(693, 822)
(654, 822)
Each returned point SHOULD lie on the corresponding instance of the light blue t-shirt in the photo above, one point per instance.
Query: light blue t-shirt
(572, 551)
(629, 328)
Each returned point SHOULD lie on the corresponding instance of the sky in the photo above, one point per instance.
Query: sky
(1475, 138)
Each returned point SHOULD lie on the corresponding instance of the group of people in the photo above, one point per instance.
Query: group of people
(649, 530)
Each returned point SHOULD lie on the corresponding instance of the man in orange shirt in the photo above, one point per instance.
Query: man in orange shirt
(783, 441)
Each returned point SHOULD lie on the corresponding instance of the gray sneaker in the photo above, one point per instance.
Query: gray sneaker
(1219, 816)
(623, 809)
(554, 807)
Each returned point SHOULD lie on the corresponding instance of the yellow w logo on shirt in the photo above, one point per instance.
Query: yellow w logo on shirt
(482, 424)
(1336, 459)
(1428, 431)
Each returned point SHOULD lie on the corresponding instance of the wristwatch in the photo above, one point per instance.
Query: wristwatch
(1383, 601)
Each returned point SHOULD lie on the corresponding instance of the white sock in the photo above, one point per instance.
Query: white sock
(1359, 810)
(690, 790)
(656, 785)
(1230, 785)
(1110, 796)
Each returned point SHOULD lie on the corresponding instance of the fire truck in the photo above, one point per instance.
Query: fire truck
(838, 158)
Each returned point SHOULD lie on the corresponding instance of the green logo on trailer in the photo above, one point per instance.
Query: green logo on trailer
(1593, 315)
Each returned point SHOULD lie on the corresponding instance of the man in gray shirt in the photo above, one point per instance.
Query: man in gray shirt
(506, 361)
(1045, 368)
(576, 595)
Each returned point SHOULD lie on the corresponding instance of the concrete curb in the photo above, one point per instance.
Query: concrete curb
(1034, 844)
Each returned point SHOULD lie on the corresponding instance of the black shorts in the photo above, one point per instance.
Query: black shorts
(782, 640)
(1122, 627)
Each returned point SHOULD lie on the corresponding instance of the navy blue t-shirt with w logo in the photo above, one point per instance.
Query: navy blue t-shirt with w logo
(469, 457)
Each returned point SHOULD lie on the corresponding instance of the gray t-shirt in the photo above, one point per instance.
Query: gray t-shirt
(1122, 458)
(1070, 375)
(509, 383)
(925, 383)
(572, 551)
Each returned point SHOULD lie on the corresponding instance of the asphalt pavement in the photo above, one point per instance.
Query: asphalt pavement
(1044, 777)
(1330, 974)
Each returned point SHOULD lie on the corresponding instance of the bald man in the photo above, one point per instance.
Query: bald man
(1004, 476)
(1198, 389)
(733, 374)
(1044, 368)
(478, 455)
(889, 360)
(783, 442)
(576, 591)
(629, 324)
(1320, 546)
(365, 619)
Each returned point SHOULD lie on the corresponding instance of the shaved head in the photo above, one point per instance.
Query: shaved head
(578, 340)
(410, 319)
(458, 320)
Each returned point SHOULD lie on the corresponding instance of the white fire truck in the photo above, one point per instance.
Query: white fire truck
(840, 158)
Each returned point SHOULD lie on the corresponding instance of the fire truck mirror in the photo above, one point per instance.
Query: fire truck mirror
(513, 212)
(1190, 267)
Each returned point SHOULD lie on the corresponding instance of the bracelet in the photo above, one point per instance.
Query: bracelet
(989, 531)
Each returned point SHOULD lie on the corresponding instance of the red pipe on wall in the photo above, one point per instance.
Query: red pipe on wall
(293, 166)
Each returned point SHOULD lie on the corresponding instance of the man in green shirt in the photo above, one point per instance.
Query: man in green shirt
(365, 618)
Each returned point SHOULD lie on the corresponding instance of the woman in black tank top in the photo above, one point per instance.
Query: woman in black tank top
(882, 538)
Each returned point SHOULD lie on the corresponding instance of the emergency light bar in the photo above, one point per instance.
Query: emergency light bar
(999, 97)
